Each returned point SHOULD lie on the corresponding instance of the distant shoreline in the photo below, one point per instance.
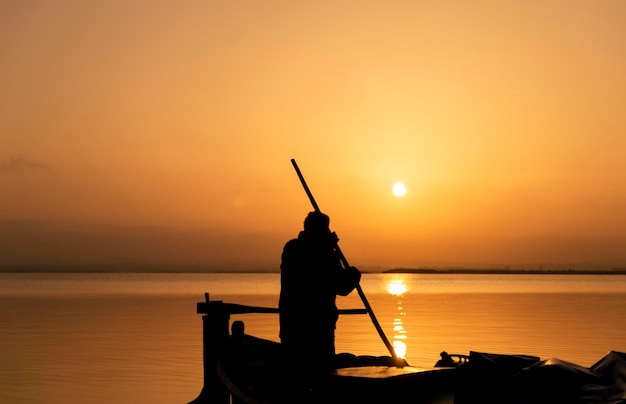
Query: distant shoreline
(497, 271)
(199, 269)
(129, 269)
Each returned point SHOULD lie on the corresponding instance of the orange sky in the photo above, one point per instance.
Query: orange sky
(162, 132)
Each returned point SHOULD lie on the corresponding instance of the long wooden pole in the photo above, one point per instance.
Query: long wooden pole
(346, 265)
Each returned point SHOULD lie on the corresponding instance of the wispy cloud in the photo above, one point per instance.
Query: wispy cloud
(20, 164)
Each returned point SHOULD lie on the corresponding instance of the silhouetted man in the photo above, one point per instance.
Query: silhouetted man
(311, 278)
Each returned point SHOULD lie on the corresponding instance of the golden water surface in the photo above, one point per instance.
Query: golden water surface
(130, 338)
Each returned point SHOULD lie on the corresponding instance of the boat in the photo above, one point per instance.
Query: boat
(241, 368)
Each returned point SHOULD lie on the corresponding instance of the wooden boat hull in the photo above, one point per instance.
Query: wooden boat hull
(254, 370)
(388, 384)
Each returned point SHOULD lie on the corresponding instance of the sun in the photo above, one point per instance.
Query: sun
(399, 189)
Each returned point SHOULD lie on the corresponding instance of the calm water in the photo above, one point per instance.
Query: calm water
(131, 338)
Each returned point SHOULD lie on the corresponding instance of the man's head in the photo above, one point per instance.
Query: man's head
(317, 222)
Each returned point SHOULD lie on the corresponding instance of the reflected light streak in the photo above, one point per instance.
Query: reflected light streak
(399, 337)
(397, 287)
(400, 348)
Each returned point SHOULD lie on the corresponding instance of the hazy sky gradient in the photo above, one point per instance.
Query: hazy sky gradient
(161, 132)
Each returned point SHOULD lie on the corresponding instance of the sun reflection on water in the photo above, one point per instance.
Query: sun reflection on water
(397, 287)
